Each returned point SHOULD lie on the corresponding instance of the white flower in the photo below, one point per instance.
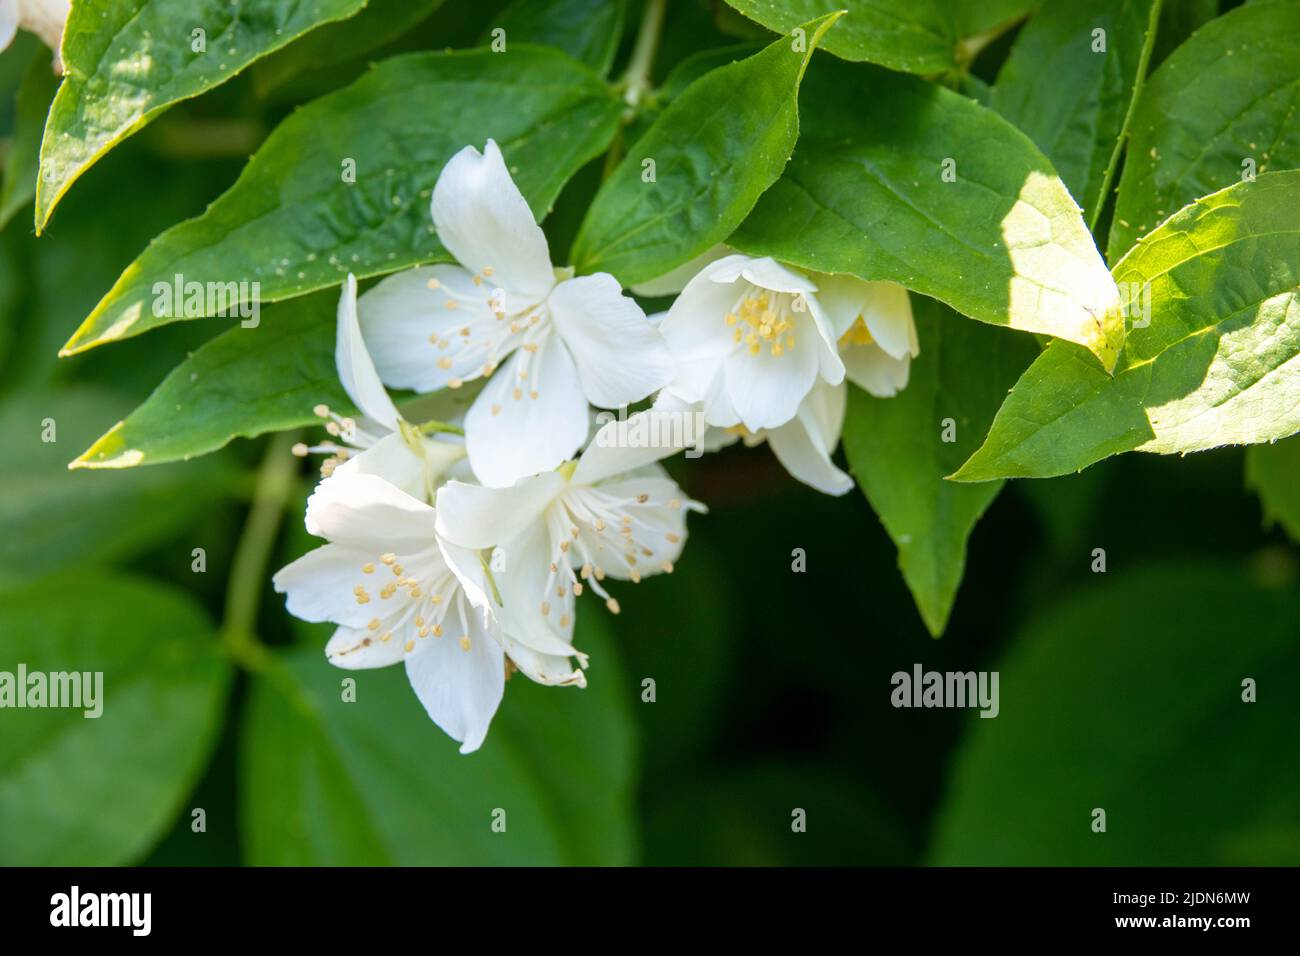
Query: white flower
(381, 442)
(565, 341)
(45, 18)
(875, 329)
(399, 593)
(750, 339)
(613, 513)
(803, 445)
(870, 322)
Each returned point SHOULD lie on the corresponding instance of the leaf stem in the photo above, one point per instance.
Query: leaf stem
(636, 79)
(1144, 61)
(275, 480)
(635, 83)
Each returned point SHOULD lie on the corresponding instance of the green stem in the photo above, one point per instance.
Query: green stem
(635, 83)
(636, 79)
(275, 481)
(1144, 61)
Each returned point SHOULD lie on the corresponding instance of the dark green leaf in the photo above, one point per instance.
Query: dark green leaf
(916, 36)
(897, 452)
(375, 782)
(243, 383)
(51, 518)
(1073, 99)
(100, 791)
(587, 30)
(1100, 708)
(376, 24)
(126, 63)
(1223, 104)
(700, 167)
(291, 222)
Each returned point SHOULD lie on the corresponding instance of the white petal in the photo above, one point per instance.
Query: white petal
(532, 612)
(695, 327)
(719, 411)
(475, 517)
(318, 586)
(530, 417)
(841, 297)
(888, 317)
(674, 281)
(8, 22)
(367, 512)
(829, 365)
(765, 389)
(460, 689)
(356, 370)
(484, 221)
(871, 368)
(884, 307)
(765, 272)
(393, 459)
(648, 436)
(710, 439)
(549, 669)
(357, 649)
(466, 564)
(805, 443)
(418, 342)
(620, 355)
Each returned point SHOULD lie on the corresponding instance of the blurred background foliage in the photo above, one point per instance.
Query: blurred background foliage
(1119, 690)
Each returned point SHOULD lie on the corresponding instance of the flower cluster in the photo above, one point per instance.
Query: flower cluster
(459, 547)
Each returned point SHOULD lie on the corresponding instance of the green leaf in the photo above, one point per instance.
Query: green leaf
(21, 162)
(714, 150)
(679, 80)
(375, 782)
(1179, 19)
(291, 222)
(377, 23)
(127, 63)
(1219, 363)
(587, 30)
(1101, 709)
(100, 791)
(1064, 414)
(51, 518)
(915, 36)
(1073, 100)
(1273, 472)
(897, 452)
(1226, 96)
(242, 384)
(899, 179)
